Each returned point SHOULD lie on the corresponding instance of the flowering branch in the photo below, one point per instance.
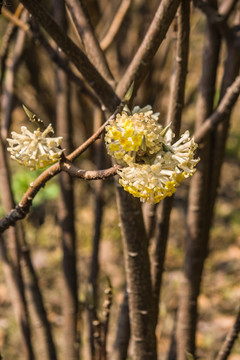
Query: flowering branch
(22, 209)
(74, 171)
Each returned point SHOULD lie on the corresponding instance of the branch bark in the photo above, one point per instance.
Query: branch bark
(197, 241)
(230, 340)
(66, 212)
(139, 66)
(176, 105)
(93, 50)
(103, 90)
(137, 267)
(11, 259)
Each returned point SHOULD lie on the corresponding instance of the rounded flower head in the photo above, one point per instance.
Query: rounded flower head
(153, 165)
(35, 149)
(133, 135)
(154, 181)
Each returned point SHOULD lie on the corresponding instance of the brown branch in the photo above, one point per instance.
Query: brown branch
(103, 90)
(8, 36)
(40, 313)
(15, 19)
(222, 111)
(139, 66)
(22, 209)
(123, 331)
(66, 209)
(88, 174)
(11, 259)
(116, 24)
(174, 116)
(137, 265)
(230, 339)
(106, 317)
(84, 27)
(18, 301)
(149, 216)
(196, 237)
(95, 136)
(216, 18)
(226, 8)
(9, 33)
(13, 63)
(62, 63)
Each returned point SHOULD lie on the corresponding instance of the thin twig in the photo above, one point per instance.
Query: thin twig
(215, 18)
(9, 33)
(13, 63)
(15, 19)
(88, 174)
(174, 116)
(66, 207)
(223, 109)
(139, 66)
(19, 304)
(22, 209)
(11, 258)
(115, 25)
(105, 322)
(230, 339)
(122, 337)
(8, 36)
(101, 87)
(39, 309)
(62, 63)
(226, 8)
(93, 50)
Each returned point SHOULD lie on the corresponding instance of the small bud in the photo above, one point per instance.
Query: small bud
(129, 93)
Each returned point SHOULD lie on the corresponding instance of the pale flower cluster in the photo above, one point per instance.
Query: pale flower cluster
(153, 166)
(35, 149)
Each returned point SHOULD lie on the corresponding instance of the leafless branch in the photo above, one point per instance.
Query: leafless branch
(62, 63)
(95, 54)
(103, 90)
(22, 209)
(223, 109)
(230, 339)
(226, 8)
(116, 24)
(139, 66)
(14, 18)
(11, 69)
(138, 275)
(66, 208)
(9, 33)
(88, 174)
(174, 116)
(105, 323)
(123, 331)
(196, 237)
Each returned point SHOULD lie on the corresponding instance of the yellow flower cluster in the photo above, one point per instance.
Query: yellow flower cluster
(153, 166)
(35, 149)
(134, 134)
